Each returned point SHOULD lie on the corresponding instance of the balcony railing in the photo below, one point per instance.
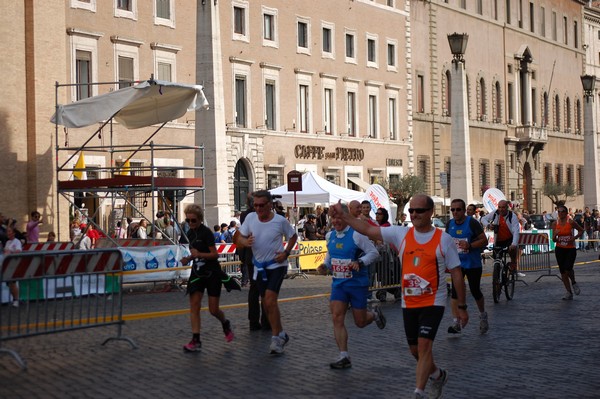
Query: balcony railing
(531, 133)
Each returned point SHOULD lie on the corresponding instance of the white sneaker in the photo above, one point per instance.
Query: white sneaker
(576, 289)
(438, 385)
(568, 297)
(15, 304)
(277, 344)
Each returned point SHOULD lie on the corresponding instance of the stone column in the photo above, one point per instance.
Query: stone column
(591, 194)
(460, 176)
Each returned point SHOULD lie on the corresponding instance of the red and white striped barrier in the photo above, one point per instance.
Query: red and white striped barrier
(130, 242)
(29, 265)
(226, 249)
(533, 239)
(48, 246)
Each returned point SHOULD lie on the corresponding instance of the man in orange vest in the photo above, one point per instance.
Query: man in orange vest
(425, 252)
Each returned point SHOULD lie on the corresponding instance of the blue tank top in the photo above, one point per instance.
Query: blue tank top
(346, 248)
(471, 259)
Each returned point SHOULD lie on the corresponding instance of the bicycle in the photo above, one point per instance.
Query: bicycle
(503, 276)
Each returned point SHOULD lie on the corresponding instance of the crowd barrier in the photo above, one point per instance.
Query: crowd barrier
(48, 246)
(535, 253)
(386, 273)
(65, 290)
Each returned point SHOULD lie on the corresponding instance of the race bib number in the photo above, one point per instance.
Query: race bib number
(415, 285)
(457, 242)
(564, 240)
(340, 268)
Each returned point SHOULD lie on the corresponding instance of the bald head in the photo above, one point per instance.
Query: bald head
(354, 208)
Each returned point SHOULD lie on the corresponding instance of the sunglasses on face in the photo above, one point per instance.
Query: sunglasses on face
(260, 205)
(455, 209)
(379, 214)
(191, 220)
(418, 210)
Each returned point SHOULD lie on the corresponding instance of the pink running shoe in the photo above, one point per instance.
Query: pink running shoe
(228, 331)
(193, 346)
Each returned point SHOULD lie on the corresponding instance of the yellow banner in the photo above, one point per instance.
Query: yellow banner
(310, 256)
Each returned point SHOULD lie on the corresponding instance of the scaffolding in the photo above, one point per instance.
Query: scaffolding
(128, 189)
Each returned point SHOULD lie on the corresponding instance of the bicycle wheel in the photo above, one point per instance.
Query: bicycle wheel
(496, 287)
(509, 285)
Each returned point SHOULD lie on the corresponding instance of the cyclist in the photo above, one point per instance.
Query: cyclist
(506, 226)
(470, 239)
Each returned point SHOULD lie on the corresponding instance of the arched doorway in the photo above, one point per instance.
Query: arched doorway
(241, 186)
(527, 189)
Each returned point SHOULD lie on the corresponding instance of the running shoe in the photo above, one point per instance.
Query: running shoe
(419, 395)
(15, 304)
(342, 363)
(379, 317)
(193, 346)
(437, 385)
(484, 325)
(568, 297)
(576, 289)
(277, 344)
(228, 331)
(455, 329)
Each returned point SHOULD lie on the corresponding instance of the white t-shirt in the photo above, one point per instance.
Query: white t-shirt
(268, 237)
(13, 246)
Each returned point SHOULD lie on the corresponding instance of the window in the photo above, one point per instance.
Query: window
(575, 35)
(499, 175)
(547, 173)
(565, 30)
(390, 3)
(568, 122)
(534, 106)
(328, 111)
(274, 178)
(463, 4)
(351, 100)
(508, 11)
(302, 34)
(554, 27)
(423, 170)
(126, 9)
(531, 17)
(269, 27)
(511, 103)
(556, 112)
(482, 100)
(125, 71)
(579, 179)
(543, 21)
(124, 5)
(578, 116)
(350, 53)
(495, 10)
(372, 116)
(391, 55)
(83, 73)
(270, 107)
(89, 5)
(420, 94)
(520, 13)
(498, 104)
(447, 93)
(392, 118)
(164, 71)
(570, 176)
(545, 110)
(304, 111)
(239, 21)
(558, 177)
(164, 13)
(327, 48)
(371, 51)
(484, 176)
(240, 101)
(480, 7)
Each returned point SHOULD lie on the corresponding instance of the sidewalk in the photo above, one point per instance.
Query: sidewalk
(538, 346)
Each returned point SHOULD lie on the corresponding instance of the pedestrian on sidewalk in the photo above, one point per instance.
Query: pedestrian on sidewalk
(565, 250)
(206, 274)
(425, 252)
(350, 283)
(264, 231)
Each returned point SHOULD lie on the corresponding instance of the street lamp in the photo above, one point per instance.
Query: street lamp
(588, 82)
(458, 45)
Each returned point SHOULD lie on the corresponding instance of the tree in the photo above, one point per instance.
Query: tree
(559, 194)
(403, 189)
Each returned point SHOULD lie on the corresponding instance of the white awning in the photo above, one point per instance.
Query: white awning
(137, 106)
(359, 182)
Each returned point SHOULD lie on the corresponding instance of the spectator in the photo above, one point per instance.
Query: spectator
(13, 246)
(310, 229)
(382, 217)
(225, 237)
(33, 227)
(51, 237)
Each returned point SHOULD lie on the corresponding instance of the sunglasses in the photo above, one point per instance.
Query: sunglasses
(418, 210)
(379, 213)
(191, 220)
(455, 209)
(260, 205)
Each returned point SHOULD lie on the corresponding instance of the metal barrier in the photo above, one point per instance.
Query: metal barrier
(386, 273)
(535, 253)
(64, 291)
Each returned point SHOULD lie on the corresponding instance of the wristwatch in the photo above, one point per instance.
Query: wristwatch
(463, 307)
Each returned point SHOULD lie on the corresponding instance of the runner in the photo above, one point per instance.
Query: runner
(565, 250)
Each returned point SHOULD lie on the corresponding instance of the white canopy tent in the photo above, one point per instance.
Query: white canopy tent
(317, 190)
(148, 103)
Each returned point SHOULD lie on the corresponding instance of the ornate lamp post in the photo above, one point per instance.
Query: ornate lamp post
(460, 177)
(591, 194)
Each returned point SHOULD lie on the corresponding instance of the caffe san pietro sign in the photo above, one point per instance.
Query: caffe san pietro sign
(339, 154)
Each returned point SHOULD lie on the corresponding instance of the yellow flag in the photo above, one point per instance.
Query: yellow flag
(125, 169)
(80, 174)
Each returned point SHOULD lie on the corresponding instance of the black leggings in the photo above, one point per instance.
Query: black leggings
(474, 278)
